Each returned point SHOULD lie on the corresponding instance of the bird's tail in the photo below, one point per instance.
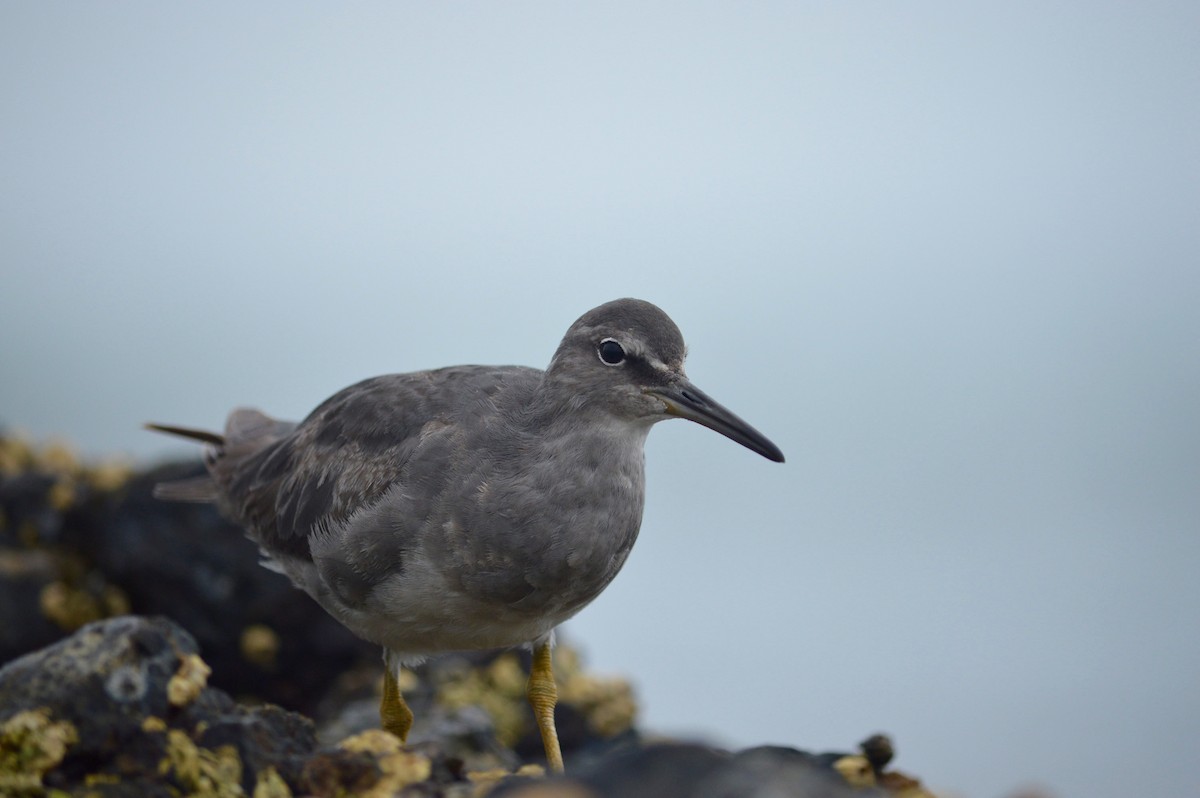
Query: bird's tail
(195, 489)
(247, 432)
(202, 435)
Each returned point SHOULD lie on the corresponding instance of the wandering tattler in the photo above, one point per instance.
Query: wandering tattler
(469, 507)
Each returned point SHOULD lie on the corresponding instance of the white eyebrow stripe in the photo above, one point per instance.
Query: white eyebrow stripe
(635, 347)
(658, 365)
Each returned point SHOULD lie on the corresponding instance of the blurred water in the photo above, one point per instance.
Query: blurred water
(945, 256)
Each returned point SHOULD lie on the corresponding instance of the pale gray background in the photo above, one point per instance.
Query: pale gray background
(944, 254)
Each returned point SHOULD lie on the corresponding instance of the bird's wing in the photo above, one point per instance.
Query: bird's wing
(352, 449)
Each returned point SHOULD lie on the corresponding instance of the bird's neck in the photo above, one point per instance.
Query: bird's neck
(555, 412)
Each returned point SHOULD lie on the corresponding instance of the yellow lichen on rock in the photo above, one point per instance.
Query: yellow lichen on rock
(188, 681)
(201, 772)
(27, 533)
(498, 689)
(372, 741)
(856, 770)
(406, 680)
(901, 785)
(269, 784)
(66, 607)
(398, 767)
(608, 703)
(114, 601)
(488, 777)
(260, 645)
(58, 457)
(484, 781)
(109, 475)
(62, 493)
(16, 455)
(505, 674)
(69, 607)
(153, 724)
(30, 745)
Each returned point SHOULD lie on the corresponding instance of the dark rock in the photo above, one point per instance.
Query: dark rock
(123, 707)
(130, 693)
(777, 772)
(27, 511)
(334, 772)
(661, 770)
(677, 770)
(464, 735)
(24, 574)
(878, 750)
(79, 543)
(185, 561)
(553, 787)
(264, 736)
(106, 679)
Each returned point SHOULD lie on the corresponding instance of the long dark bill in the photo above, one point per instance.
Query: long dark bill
(687, 401)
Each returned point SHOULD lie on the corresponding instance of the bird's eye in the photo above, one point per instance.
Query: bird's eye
(611, 352)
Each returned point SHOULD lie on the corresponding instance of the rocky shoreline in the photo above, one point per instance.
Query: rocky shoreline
(146, 653)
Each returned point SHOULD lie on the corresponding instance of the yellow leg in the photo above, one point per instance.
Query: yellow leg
(543, 695)
(394, 714)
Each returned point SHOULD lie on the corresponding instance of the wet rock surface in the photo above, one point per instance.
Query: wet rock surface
(147, 651)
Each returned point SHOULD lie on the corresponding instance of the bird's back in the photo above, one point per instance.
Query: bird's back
(286, 481)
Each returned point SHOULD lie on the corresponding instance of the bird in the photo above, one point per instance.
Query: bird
(468, 507)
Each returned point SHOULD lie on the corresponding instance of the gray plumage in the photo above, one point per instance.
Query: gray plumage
(467, 507)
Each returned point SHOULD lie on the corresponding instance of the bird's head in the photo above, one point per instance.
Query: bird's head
(626, 357)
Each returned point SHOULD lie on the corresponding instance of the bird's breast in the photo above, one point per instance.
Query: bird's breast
(548, 536)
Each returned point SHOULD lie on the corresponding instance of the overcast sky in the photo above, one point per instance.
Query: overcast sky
(947, 256)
